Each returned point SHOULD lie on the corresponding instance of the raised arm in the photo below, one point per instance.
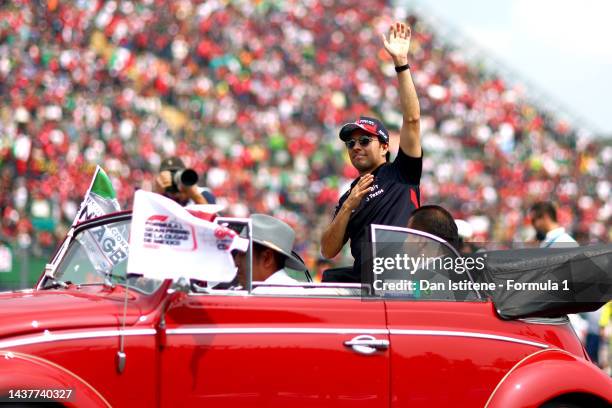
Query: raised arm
(398, 46)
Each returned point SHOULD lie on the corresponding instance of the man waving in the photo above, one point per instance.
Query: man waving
(385, 192)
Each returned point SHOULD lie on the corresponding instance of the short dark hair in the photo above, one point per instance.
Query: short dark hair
(278, 257)
(435, 220)
(543, 208)
(388, 154)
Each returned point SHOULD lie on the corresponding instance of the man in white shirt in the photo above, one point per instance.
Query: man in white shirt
(272, 252)
(552, 235)
(548, 231)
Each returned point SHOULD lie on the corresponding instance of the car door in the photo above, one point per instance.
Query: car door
(275, 351)
(448, 348)
(79, 312)
(449, 354)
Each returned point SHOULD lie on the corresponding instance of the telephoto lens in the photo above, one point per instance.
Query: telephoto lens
(185, 177)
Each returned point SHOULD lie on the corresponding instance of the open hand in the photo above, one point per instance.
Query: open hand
(398, 43)
(359, 191)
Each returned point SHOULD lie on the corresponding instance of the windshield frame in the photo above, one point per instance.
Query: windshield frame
(57, 259)
(374, 227)
(51, 269)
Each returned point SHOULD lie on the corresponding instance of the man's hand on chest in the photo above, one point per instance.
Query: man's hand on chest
(358, 191)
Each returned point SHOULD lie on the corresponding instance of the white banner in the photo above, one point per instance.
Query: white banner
(167, 242)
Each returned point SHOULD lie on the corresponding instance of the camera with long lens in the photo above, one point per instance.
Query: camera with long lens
(182, 177)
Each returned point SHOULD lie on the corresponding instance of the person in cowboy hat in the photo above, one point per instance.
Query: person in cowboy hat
(272, 252)
(385, 192)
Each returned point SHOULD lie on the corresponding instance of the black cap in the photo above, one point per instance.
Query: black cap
(370, 125)
(171, 164)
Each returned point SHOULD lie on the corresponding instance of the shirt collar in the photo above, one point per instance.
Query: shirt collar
(279, 276)
(554, 233)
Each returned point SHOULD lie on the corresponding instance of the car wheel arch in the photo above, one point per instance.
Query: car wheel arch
(19, 371)
(528, 383)
(576, 400)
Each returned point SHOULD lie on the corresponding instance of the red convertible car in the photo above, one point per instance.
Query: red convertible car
(95, 338)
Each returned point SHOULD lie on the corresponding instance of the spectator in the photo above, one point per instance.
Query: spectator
(548, 230)
(593, 335)
(435, 220)
(606, 338)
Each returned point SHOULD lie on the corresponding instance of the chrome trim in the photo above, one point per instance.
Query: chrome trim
(550, 321)
(365, 344)
(374, 227)
(337, 330)
(124, 215)
(273, 330)
(467, 334)
(243, 293)
(47, 336)
(412, 231)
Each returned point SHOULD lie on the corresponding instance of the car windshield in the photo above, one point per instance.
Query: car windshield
(98, 255)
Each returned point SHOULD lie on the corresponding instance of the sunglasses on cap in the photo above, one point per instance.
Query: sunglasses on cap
(363, 141)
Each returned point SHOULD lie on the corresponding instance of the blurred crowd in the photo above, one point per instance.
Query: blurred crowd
(251, 94)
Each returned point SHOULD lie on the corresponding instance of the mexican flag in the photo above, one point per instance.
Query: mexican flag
(106, 246)
(100, 198)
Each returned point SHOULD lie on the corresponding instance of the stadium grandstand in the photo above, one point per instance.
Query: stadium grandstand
(251, 95)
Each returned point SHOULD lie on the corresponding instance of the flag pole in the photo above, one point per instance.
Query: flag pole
(84, 202)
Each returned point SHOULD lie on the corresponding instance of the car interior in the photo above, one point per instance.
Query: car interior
(82, 265)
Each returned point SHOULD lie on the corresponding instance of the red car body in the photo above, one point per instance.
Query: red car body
(186, 349)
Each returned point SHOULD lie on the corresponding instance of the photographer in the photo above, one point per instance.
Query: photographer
(179, 183)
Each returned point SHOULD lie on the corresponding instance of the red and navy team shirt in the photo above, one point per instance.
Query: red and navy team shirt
(395, 195)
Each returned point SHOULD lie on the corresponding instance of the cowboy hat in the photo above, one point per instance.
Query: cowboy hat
(278, 236)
